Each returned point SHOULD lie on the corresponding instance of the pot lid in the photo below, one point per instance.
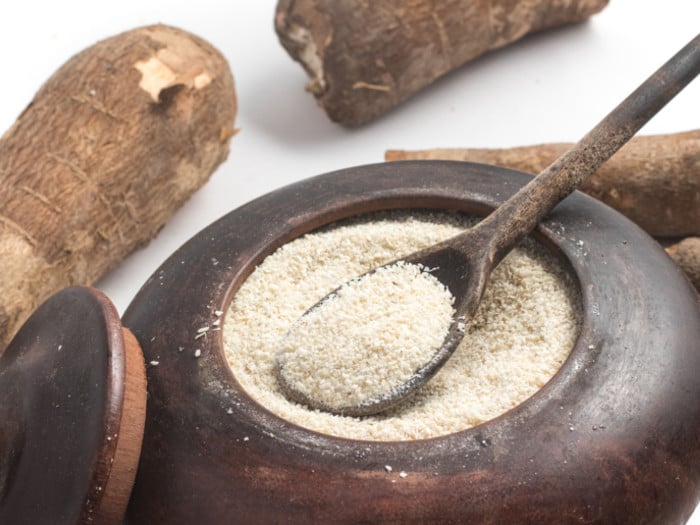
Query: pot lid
(72, 411)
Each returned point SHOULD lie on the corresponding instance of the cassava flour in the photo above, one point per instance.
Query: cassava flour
(367, 338)
(524, 329)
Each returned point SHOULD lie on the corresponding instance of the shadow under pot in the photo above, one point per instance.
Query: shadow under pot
(612, 437)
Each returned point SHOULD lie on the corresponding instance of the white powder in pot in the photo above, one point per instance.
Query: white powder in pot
(524, 329)
(367, 338)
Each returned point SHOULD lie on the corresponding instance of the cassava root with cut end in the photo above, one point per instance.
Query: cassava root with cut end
(364, 57)
(653, 180)
(111, 145)
(686, 253)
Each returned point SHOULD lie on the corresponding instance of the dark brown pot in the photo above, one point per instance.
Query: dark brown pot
(614, 437)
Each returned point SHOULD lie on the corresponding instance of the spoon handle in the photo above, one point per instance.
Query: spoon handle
(519, 215)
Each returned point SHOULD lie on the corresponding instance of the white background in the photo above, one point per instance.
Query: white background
(552, 86)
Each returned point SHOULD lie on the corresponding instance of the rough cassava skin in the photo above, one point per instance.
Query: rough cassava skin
(365, 57)
(653, 180)
(686, 253)
(111, 145)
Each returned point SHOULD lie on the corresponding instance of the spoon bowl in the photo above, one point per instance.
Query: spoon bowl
(463, 264)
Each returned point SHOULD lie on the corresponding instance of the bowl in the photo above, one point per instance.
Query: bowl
(612, 437)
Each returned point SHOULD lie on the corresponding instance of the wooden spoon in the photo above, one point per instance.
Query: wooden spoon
(464, 262)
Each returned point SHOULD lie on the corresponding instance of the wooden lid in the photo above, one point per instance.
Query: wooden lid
(72, 411)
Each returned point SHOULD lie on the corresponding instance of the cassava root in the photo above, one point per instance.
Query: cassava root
(111, 145)
(365, 57)
(686, 253)
(653, 180)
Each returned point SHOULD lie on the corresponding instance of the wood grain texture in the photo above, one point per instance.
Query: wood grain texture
(110, 146)
(653, 180)
(365, 57)
(125, 458)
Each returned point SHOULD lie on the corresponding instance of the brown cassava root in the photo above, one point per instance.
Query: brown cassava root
(686, 253)
(653, 180)
(365, 57)
(112, 144)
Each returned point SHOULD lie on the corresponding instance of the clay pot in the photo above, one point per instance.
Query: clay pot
(612, 438)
